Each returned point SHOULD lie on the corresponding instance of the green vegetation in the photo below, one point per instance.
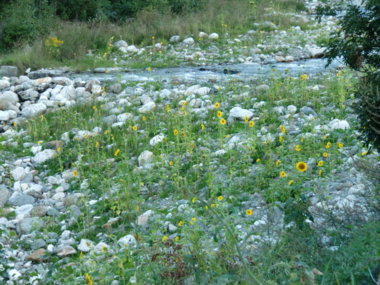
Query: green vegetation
(357, 41)
(221, 16)
(216, 192)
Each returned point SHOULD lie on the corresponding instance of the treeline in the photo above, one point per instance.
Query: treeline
(23, 20)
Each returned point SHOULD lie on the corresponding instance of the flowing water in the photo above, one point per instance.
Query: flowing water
(243, 71)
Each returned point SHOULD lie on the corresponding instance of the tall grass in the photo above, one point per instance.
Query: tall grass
(221, 16)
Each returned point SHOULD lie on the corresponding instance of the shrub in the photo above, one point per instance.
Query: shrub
(357, 41)
(22, 22)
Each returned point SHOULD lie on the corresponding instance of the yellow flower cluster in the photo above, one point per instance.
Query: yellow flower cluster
(53, 42)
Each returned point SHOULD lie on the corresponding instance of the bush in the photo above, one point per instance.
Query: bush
(22, 22)
(358, 43)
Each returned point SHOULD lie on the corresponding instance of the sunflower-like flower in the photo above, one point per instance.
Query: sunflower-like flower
(301, 166)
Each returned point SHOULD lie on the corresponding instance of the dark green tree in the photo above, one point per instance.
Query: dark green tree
(357, 41)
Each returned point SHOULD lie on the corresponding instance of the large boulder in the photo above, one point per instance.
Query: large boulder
(8, 70)
(8, 101)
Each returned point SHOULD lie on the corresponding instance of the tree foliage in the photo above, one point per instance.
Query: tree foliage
(357, 41)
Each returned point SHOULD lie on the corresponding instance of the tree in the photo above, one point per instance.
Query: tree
(357, 41)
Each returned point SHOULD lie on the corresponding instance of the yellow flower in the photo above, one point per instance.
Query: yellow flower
(134, 128)
(280, 139)
(328, 145)
(251, 124)
(176, 238)
(340, 145)
(164, 238)
(180, 223)
(364, 153)
(194, 200)
(143, 118)
(282, 174)
(304, 77)
(117, 152)
(14, 124)
(297, 147)
(75, 173)
(320, 163)
(206, 208)
(283, 129)
(325, 154)
(220, 198)
(213, 205)
(246, 119)
(193, 220)
(175, 132)
(222, 121)
(219, 114)
(149, 69)
(59, 149)
(171, 163)
(202, 127)
(167, 107)
(88, 279)
(301, 166)
(290, 182)
(258, 160)
(94, 108)
(217, 105)
(97, 144)
(248, 212)
(278, 162)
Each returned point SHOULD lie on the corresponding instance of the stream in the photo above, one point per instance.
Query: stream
(242, 71)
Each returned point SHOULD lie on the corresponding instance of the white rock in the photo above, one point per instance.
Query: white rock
(239, 113)
(202, 35)
(42, 81)
(34, 110)
(145, 158)
(292, 109)
(101, 247)
(279, 110)
(213, 36)
(198, 90)
(120, 43)
(96, 89)
(337, 124)
(156, 139)
(14, 274)
(175, 39)
(189, 41)
(44, 156)
(124, 117)
(23, 211)
(4, 116)
(127, 241)
(58, 196)
(66, 250)
(18, 173)
(4, 84)
(8, 101)
(145, 99)
(263, 87)
(147, 107)
(143, 219)
(132, 49)
(85, 245)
